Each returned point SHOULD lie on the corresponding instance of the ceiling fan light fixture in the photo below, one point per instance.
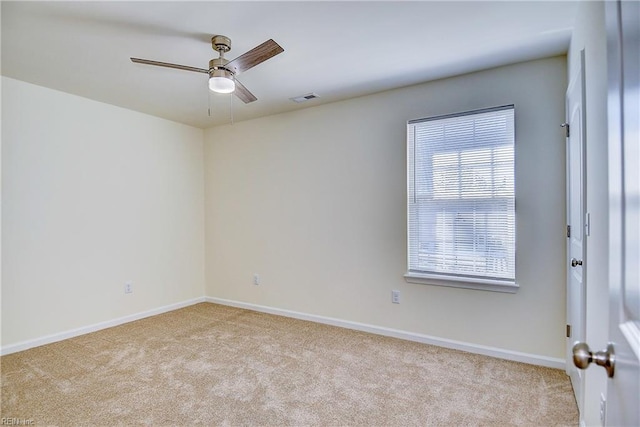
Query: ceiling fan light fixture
(222, 72)
(221, 81)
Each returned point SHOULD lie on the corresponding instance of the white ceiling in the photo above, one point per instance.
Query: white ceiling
(337, 49)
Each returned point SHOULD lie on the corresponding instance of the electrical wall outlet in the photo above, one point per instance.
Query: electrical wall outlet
(395, 297)
(256, 279)
(128, 287)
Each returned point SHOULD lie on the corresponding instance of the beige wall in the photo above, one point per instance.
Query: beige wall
(590, 35)
(92, 196)
(314, 201)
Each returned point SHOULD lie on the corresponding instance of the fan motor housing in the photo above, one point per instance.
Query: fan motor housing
(218, 64)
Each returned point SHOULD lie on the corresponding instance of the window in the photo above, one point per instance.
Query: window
(461, 200)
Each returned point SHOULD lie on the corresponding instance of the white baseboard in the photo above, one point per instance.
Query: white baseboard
(533, 359)
(48, 339)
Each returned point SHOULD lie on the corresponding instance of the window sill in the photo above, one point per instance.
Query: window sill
(492, 285)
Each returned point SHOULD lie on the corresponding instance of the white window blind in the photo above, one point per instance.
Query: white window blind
(461, 198)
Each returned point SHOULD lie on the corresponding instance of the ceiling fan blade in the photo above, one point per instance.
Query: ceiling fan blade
(169, 65)
(254, 57)
(243, 93)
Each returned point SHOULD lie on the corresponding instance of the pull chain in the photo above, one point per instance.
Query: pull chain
(209, 101)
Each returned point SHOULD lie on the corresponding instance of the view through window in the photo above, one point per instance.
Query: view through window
(461, 195)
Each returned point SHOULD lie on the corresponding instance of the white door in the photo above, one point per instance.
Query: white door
(576, 205)
(623, 51)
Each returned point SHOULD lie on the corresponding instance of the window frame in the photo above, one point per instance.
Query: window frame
(456, 280)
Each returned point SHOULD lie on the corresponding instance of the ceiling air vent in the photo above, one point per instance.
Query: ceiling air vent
(305, 98)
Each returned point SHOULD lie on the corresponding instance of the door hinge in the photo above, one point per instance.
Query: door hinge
(566, 129)
(568, 331)
(568, 231)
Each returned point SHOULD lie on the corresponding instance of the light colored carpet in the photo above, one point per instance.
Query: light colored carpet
(216, 365)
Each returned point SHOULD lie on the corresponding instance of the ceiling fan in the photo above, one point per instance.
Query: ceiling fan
(222, 72)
